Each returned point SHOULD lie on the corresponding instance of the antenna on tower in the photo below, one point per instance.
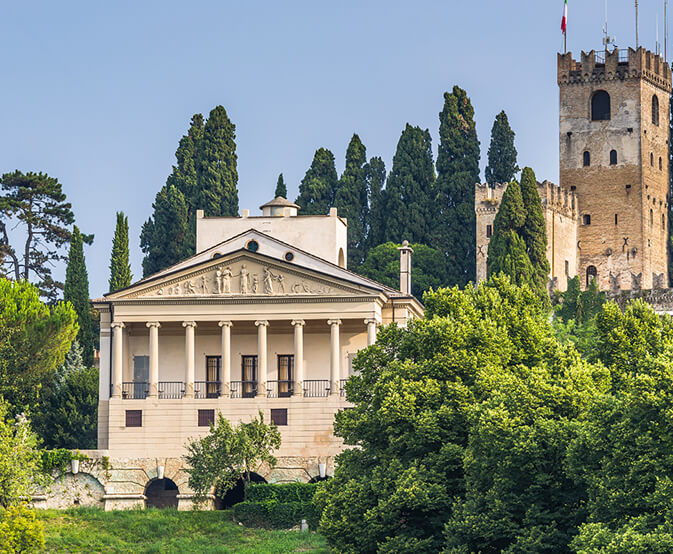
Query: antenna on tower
(636, 24)
(607, 39)
(657, 45)
(666, 31)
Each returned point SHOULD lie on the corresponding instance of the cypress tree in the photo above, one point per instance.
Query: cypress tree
(351, 199)
(376, 178)
(281, 189)
(76, 291)
(457, 174)
(164, 236)
(216, 167)
(318, 187)
(501, 166)
(185, 176)
(507, 250)
(534, 230)
(120, 267)
(410, 189)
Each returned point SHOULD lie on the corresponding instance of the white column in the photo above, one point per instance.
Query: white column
(154, 358)
(189, 358)
(335, 356)
(262, 368)
(371, 331)
(299, 356)
(225, 363)
(117, 358)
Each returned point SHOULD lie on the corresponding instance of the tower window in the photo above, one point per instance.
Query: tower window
(663, 221)
(613, 157)
(586, 219)
(655, 110)
(616, 219)
(651, 159)
(592, 273)
(651, 217)
(567, 268)
(587, 159)
(660, 164)
(489, 231)
(600, 106)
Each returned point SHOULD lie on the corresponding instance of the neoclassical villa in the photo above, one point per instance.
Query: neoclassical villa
(265, 316)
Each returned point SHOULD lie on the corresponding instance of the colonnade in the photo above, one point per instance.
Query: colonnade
(264, 372)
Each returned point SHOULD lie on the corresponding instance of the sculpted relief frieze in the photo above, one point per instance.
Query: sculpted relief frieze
(239, 279)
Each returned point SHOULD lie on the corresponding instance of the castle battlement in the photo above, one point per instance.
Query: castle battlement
(557, 199)
(600, 66)
(487, 197)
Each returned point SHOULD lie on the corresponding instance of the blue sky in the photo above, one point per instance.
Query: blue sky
(99, 94)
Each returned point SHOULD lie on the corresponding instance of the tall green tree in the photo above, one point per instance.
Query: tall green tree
(410, 189)
(34, 340)
(185, 176)
(217, 167)
(457, 174)
(376, 219)
(507, 250)
(76, 291)
(164, 236)
(318, 187)
(502, 165)
(351, 199)
(281, 188)
(120, 266)
(534, 230)
(36, 204)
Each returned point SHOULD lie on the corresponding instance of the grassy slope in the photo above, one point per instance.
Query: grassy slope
(89, 530)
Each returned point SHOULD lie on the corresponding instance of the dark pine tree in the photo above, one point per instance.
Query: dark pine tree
(376, 220)
(507, 250)
(410, 189)
(164, 236)
(351, 199)
(76, 291)
(318, 187)
(534, 230)
(501, 166)
(281, 189)
(216, 166)
(120, 266)
(185, 176)
(457, 174)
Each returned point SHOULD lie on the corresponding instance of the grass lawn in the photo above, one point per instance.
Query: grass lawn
(91, 530)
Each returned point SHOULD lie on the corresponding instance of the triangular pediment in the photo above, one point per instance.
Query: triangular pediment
(243, 274)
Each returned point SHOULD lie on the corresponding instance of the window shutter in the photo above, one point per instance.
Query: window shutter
(279, 416)
(134, 418)
(206, 418)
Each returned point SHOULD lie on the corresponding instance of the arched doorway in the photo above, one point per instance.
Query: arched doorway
(591, 274)
(237, 494)
(161, 493)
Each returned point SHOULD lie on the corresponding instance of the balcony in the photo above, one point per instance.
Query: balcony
(135, 390)
(171, 389)
(243, 389)
(316, 388)
(207, 389)
(279, 389)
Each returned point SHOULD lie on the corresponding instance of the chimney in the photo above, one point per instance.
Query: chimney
(405, 267)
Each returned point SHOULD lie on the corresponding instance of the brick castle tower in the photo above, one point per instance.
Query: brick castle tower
(614, 132)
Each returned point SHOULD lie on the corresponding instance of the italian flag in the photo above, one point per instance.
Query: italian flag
(564, 21)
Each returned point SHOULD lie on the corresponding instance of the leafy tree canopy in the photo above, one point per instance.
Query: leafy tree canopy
(318, 187)
(382, 264)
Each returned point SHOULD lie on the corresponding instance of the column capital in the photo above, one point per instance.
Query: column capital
(333, 322)
(226, 324)
(117, 325)
(189, 323)
(153, 324)
(298, 322)
(370, 321)
(262, 323)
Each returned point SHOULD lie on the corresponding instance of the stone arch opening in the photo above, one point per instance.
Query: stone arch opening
(600, 106)
(655, 110)
(613, 157)
(318, 479)
(342, 258)
(592, 274)
(161, 493)
(237, 494)
(586, 158)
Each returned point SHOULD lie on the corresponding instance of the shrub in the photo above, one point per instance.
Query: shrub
(20, 531)
(286, 492)
(270, 514)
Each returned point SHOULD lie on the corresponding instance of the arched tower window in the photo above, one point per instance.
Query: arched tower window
(587, 159)
(592, 273)
(660, 164)
(655, 110)
(613, 157)
(600, 106)
(651, 159)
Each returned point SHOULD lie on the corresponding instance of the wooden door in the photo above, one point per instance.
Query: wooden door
(249, 376)
(212, 376)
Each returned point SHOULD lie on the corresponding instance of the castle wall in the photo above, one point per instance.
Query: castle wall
(487, 202)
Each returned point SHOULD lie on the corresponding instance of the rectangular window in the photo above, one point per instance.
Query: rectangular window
(279, 416)
(489, 231)
(134, 418)
(285, 375)
(212, 376)
(616, 219)
(206, 418)
(249, 376)
(567, 268)
(586, 219)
